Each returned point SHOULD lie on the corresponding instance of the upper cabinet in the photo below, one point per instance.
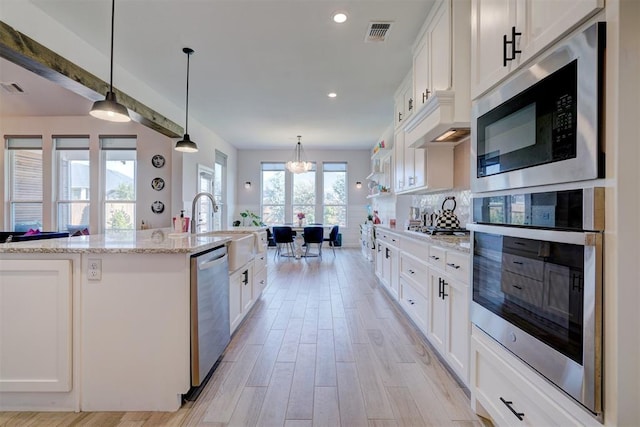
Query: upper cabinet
(507, 33)
(441, 67)
(403, 101)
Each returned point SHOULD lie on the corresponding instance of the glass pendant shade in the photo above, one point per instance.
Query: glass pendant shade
(298, 165)
(110, 109)
(186, 145)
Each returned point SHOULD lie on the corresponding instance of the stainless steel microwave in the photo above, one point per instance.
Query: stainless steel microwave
(543, 125)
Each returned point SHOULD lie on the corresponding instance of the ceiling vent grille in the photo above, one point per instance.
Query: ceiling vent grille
(11, 88)
(377, 32)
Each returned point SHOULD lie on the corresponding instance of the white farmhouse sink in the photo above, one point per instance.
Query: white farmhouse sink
(240, 248)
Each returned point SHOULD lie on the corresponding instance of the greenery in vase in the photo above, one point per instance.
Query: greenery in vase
(255, 219)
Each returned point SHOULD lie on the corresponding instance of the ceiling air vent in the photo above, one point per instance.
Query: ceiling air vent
(11, 88)
(377, 31)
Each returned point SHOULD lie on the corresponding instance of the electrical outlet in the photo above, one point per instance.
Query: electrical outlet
(94, 272)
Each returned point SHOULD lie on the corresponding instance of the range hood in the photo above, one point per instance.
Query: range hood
(442, 119)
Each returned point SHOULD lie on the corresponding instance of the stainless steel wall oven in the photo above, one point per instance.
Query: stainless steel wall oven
(543, 126)
(537, 283)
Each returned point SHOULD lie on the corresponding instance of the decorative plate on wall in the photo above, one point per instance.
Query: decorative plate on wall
(157, 184)
(158, 160)
(157, 207)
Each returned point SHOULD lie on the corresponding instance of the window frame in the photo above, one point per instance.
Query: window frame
(344, 205)
(119, 143)
(60, 145)
(14, 144)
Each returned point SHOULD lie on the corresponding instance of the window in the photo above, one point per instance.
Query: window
(73, 182)
(334, 202)
(203, 217)
(119, 178)
(304, 195)
(25, 182)
(273, 193)
(220, 191)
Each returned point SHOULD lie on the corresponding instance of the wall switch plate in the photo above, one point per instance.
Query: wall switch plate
(94, 271)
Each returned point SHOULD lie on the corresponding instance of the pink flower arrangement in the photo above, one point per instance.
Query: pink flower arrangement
(301, 215)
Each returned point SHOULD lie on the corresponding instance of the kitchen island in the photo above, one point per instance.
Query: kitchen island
(97, 323)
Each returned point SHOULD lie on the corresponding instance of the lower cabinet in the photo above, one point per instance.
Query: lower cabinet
(448, 325)
(35, 328)
(508, 392)
(414, 303)
(240, 294)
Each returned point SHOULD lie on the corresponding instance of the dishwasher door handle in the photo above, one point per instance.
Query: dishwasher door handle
(210, 264)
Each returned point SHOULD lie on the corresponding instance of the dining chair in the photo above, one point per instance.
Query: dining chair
(313, 235)
(333, 238)
(283, 236)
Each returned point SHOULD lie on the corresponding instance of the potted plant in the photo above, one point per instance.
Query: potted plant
(254, 219)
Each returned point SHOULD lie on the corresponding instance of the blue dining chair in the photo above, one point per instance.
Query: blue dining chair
(333, 238)
(313, 236)
(283, 236)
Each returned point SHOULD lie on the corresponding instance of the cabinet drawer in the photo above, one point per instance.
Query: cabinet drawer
(414, 304)
(259, 282)
(388, 237)
(437, 256)
(527, 267)
(260, 261)
(415, 272)
(416, 248)
(499, 387)
(457, 265)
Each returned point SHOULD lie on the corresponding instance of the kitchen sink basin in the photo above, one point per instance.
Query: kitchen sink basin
(240, 248)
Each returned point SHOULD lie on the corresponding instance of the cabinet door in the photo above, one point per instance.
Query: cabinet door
(399, 110)
(259, 283)
(409, 165)
(35, 326)
(421, 77)
(419, 167)
(398, 154)
(392, 273)
(440, 49)
(246, 290)
(407, 97)
(458, 328)
(235, 299)
(490, 21)
(544, 21)
(379, 258)
(436, 326)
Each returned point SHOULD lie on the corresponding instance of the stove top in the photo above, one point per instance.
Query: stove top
(438, 231)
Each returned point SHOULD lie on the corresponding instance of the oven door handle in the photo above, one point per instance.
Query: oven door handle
(583, 238)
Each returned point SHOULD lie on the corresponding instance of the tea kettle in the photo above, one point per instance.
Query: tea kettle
(448, 219)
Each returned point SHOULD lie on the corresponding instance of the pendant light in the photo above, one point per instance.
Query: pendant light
(298, 165)
(110, 109)
(186, 145)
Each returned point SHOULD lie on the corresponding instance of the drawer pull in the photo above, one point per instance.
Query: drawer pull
(508, 403)
(450, 264)
(411, 301)
(434, 257)
(517, 287)
(518, 262)
(411, 271)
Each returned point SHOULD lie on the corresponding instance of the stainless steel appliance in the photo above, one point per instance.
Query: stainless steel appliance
(210, 324)
(543, 126)
(537, 283)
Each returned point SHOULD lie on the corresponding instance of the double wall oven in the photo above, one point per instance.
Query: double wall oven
(537, 222)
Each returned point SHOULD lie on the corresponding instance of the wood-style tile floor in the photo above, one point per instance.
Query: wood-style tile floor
(324, 346)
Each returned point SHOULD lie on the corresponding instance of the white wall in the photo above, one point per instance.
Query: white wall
(358, 168)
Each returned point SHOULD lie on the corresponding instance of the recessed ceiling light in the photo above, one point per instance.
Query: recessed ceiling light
(339, 17)
(332, 94)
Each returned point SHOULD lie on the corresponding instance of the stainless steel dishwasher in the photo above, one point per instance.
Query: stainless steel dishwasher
(210, 328)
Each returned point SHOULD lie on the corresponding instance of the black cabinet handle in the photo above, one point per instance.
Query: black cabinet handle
(443, 285)
(508, 403)
(399, 116)
(506, 58)
(246, 277)
(386, 254)
(434, 257)
(425, 95)
(410, 104)
(517, 287)
(450, 264)
(440, 287)
(411, 271)
(518, 262)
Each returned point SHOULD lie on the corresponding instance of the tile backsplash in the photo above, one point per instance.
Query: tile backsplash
(433, 202)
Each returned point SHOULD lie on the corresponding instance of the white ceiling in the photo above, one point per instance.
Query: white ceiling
(261, 69)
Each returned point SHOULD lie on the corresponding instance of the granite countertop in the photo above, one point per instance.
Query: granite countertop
(461, 243)
(154, 241)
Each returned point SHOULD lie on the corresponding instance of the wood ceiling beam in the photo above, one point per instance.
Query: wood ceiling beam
(31, 55)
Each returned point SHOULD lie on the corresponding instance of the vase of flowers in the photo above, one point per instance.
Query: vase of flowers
(300, 218)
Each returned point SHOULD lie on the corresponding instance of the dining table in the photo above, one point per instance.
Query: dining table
(298, 239)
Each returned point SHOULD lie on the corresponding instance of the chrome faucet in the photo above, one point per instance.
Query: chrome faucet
(194, 221)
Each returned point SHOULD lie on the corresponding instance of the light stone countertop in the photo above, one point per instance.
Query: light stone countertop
(460, 243)
(154, 241)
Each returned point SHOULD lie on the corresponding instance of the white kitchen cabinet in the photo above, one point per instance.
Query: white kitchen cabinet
(398, 161)
(259, 274)
(387, 260)
(379, 257)
(35, 325)
(427, 169)
(537, 23)
(246, 293)
(448, 322)
(432, 56)
(403, 101)
(509, 392)
(414, 303)
(235, 298)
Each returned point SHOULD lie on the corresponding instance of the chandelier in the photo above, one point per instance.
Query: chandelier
(298, 165)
